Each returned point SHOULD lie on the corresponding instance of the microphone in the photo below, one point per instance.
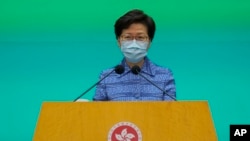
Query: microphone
(136, 70)
(119, 69)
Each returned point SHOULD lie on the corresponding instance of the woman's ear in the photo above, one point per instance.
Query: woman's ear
(149, 44)
(119, 43)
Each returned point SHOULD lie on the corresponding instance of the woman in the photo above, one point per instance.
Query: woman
(134, 33)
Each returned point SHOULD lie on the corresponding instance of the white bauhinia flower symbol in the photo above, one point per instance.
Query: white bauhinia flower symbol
(124, 136)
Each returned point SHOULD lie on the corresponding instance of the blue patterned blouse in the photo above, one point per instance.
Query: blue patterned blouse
(130, 87)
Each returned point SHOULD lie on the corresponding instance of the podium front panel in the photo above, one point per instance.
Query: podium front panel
(140, 121)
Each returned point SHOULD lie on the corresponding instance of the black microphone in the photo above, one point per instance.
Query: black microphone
(119, 69)
(136, 70)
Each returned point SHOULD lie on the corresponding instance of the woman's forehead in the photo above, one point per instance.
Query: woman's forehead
(136, 28)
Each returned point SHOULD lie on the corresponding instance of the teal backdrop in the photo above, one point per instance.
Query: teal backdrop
(53, 50)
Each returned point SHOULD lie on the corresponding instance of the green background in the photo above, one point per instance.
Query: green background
(53, 50)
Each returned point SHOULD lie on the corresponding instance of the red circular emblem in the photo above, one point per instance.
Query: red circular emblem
(124, 131)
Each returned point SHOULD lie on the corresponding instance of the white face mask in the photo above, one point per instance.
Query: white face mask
(134, 51)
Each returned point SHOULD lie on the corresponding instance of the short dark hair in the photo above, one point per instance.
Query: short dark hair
(135, 16)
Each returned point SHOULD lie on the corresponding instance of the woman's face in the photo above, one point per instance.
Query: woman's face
(136, 31)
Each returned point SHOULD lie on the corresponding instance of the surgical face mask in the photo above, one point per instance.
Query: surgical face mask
(134, 51)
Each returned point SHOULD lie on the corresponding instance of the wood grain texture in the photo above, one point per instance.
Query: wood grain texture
(158, 121)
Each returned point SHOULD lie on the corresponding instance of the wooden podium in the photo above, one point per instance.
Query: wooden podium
(139, 121)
